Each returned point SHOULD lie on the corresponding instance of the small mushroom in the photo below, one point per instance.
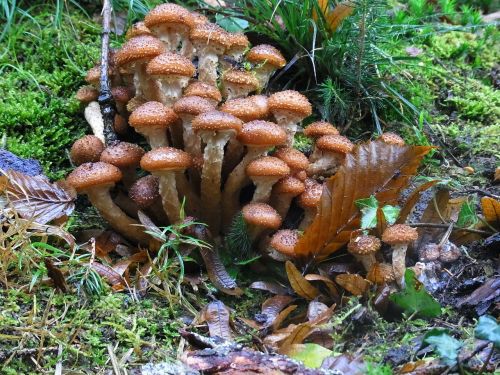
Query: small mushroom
(391, 139)
(319, 128)
(145, 194)
(282, 244)
(238, 44)
(381, 273)
(295, 159)
(87, 149)
(87, 94)
(260, 217)
(309, 201)
(204, 90)
(137, 29)
(364, 248)
(283, 193)
(247, 109)
(399, 236)
(265, 172)
(125, 156)
(238, 84)
(266, 60)
(122, 95)
(330, 152)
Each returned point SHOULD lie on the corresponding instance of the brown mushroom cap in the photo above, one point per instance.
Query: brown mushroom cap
(291, 101)
(166, 159)
(320, 128)
(399, 234)
(93, 75)
(153, 114)
(247, 109)
(144, 47)
(216, 121)
(122, 94)
(137, 29)
(203, 90)
(199, 18)
(169, 13)
(335, 143)
(311, 196)
(211, 34)
(264, 53)
(192, 105)
(284, 241)
(381, 273)
(289, 185)
(392, 139)
(87, 94)
(267, 166)
(261, 215)
(170, 63)
(295, 159)
(262, 133)
(123, 155)
(241, 78)
(90, 175)
(364, 245)
(87, 149)
(145, 191)
(237, 41)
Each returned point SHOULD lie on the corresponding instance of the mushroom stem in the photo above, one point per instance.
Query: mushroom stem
(128, 227)
(145, 85)
(192, 144)
(399, 262)
(193, 203)
(169, 195)
(282, 204)
(263, 191)
(171, 89)
(157, 138)
(367, 261)
(93, 116)
(207, 67)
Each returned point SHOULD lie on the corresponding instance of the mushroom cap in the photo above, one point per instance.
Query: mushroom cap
(301, 175)
(364, 245)
(295, 159)
(381, 273)
(261, 215)
(122, 94)
(170, 63)
(137, 29)
(311, 196)
(392, 139)
(399, 234)
(192, 105)
(320, 128)
(237, 41)
(204, 90)
(144, 47)
(90, 175)
(93, 75)
(199, 18)
(145, 191)
(210, 34)
(152, 114)
(262, 133)
(334, 143)
(87, 149)
(216, 121)
(87, 94)
(291, 101)
(120, 124)
(265, 53)
(241, 78)
(267, 166)
(168, 14)
(247, 109)
(166, 159)
(430, 252)
(123, 155)
(284, 241)
(289, 185)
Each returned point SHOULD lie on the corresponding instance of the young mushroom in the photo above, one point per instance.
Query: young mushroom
(238, 84)
(283, 193)
(125, 156)
(238, 44)
(330, 152)
(87, 94)
(93, 115)
(145, 193)
(260, 217)
(309, 201)
(391, 139)
(295, 159)
(364, 248)
(265, 172)
(266, 60)
(399, 236)
(95, 180)
(204, 90)
(381, 273)
(87, 149)
(282, 244)
(137, 29)
(319, 128)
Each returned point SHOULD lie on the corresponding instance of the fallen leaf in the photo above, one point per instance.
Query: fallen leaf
(315, 309)
(218, 274)
(491, 211)
(109, 274)
(282, 316)
(150, 227)
(56, 275)
(332, 288)
(141, 283)
(297, 336)
(334, 18)
(311, 355)
(345, 364)
(106, 242)
(299, 284)
(269, 286)
(353, 283)
(435, 212)
(488, 329)
(484, 296)
(413, 199)
(444, 345)
(216, 314)
(271, 309)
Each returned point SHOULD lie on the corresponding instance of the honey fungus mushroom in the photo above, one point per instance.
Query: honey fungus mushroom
(266, 59)
(265, 172)
(364, 248)
(259, 218)
(330, 152)
(399, 236)
(87, 149)
(126, 156)
(238, 84)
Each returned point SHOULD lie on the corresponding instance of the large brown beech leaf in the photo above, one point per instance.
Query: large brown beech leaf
(36, 198)
(374, 168)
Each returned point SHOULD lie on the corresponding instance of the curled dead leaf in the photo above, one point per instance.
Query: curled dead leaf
(353, 283)
(491, 211)
(218, 274)
(217, 316)
(297, 336)
(110, 275)
(269, 286)
(271, 308)
(56, 276)
(332, 288)
(299, 284)
(412, 200)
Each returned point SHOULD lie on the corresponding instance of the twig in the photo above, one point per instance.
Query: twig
(480, 191)
(485, 364)
(114, 360)
(446, 226)
(105, 99)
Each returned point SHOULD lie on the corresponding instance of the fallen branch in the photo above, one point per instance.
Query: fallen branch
(446, 226)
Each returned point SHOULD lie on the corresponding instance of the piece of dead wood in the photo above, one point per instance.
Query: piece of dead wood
(482, 298)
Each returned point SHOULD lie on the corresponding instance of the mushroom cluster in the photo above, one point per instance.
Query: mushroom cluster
(193, 91)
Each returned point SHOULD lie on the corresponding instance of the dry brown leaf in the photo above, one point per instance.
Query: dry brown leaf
(56, 275)
(373, 168)
(297, 336)
(36, 198)
(381, 223)
(218, 274)
(150, 226)
(269, 286)
(3, 183)
(353, 283)
(435, 212)
(141, 282)
(271, 309)
(110, 275)
(334, 18)
(299, 284)
(491, 211)
(106, 242)
(412, 200)
(48, 230)
(332, 288)
(217, 316)
(315, 309)
(282, 316)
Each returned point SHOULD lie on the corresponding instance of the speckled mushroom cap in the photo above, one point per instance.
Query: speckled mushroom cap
(203, 90)
(264, 53)
(237, 42)
(89, 175)
(261, 215)
(364, 245)
(247, 109)
(122, 94)
(291, 101)
(261, 133)
(311, 196)
(399, 234)
(168, 14)
(123, 155)
(87, 94)
(170, 63)
(295, 159)
(320, 128)
(144, 47)
(334, 143)
(199, 18)
(166, 159)
(392, 139)
(381, 273)
(267, 166)
(87, 149)
(192, 105)
(94, 75)
(216, 121)
(289, 185)
(145, 191)
(152, 114)
(284, 241)
(137, 29)
(210, 34)
(241, 78)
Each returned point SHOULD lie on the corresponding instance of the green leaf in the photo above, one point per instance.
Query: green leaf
(368, 208)
(488, 329)
(391, 213)
(467, 216)
(415, 299)
(312, 355)
(231, 24)
(444, 345)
